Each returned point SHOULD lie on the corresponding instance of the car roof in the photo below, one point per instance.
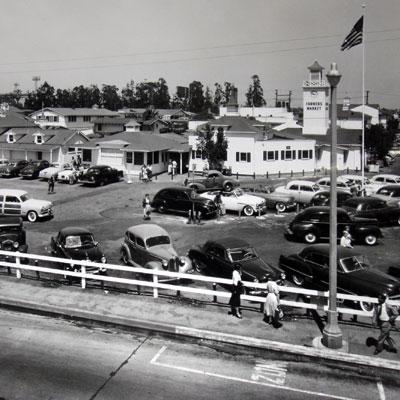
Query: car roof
(385, 176)
(100, 166)
(74, 230)
(389, 187)
(13, 192)
(320, 210)
(147, 230)
(301, 182)
(323, 248)
(363, 200)
(339, 192)
(229, 242)
(176, 188)
(11, 221)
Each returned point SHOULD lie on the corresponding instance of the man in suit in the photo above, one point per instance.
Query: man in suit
(384, 317)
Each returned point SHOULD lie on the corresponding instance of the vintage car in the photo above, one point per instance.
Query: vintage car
(325, 184)
(53, 170)
(32, 170)
(312, 225)
(211, 179)
(13, 168)
(217, 258)
(324, 198)
(372, 207)
(77, 243)
(15, 202)
(237, 200)
(100, 175)
(356, 181)
(274, 200)
(183, 199)
(302, 191)
(355, 274)
(12, 236)
(71, 175)
(150, 246)
(389, 193)
(377, 181)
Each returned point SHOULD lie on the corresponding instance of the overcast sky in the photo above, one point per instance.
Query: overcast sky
(73, 42)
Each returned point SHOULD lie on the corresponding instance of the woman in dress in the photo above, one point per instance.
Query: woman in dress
(272, 303)
(237, 286)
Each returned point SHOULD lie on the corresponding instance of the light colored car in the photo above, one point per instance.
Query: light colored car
(53, 170)
(389, 193)
(71, 175)
(18, 203)
(302, 191)
(377, 181)
(325, 183)
(279, 201)
(150, 246)
(354, 180)
(237, 200)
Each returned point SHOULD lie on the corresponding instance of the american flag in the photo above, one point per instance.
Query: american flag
(355, 37)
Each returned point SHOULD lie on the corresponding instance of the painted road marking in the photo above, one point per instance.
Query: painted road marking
(273, 372)
(381, 390)
(155, 361)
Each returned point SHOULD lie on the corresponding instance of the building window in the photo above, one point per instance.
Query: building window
(150, 158)
(304, 154)
(39, 155)
(288, 155)
(55, 118)
(139, 158)
(72, 118)
(87, 118)
(197, 154)
(11, 138)
(39, 139)
(270, 155)
(99, 127)
(86, 155)
(243, 157)
(156, 158)
(129, 158)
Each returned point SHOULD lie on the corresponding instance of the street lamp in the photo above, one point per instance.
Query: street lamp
(332, 335)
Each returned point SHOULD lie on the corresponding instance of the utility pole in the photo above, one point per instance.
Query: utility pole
(36, 79)
(366, 97)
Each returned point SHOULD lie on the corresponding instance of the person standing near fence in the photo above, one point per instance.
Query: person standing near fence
(237, 288)
(272, 304)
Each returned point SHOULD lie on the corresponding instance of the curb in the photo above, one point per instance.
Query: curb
(291, 350)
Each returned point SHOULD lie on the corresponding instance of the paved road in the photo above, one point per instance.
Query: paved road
(44, 358)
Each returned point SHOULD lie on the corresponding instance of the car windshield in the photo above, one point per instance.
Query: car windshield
(355, 263)
(245, 253)
(75, 241)
(94, 171)
(10, 229)
(35, 163)
(239, 192)
(158, 240)
(25, 197)
(12, 164)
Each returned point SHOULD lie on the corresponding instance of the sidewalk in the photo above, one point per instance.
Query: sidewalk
(208, 321)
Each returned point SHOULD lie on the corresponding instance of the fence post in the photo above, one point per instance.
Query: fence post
(18, 262)
(254, 175)
(178, 292)
(37, 272)
(303, 172)
(347, 169)
(279, 174)
(83, 282)
(240, 215)
(138, 287)
(237, 175)
(291, 173)
(267, 174)
(155, 281)
(215, 289)
(356, 170)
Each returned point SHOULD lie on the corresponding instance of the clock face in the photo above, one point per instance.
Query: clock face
(314, 93)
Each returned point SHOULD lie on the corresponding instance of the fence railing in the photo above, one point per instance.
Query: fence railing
(158, 277)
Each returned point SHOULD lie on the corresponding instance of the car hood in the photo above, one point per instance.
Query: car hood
(378, 280)
(48, 171)
(37, 203)
(258, 268)
(84, 253)
(364, 221)
(163, 251)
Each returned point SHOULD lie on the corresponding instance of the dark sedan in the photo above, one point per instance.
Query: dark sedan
(312, 225)
(13, 168)
(372, 207)
(355, 274)
(100, 175)
(324, 198)
(183, 199)
(217, 258)
(33, 169)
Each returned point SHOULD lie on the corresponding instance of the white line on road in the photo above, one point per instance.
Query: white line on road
(155, 361)
(381, 390)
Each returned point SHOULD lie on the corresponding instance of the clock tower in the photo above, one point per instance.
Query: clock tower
(315, 102)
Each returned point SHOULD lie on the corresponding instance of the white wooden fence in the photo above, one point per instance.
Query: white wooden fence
(14, 264)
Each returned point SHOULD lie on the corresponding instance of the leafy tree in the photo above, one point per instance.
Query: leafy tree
(229, 87)
(80, 97)
(12, 98)
(161, 96)
(196, 97)
(64, 98)
(110, 97)
(128, 95)
(255, 93)
(208, 100)
(95, 96)
(44, 96)
(378, 140)
(145, 94)
(213, 146)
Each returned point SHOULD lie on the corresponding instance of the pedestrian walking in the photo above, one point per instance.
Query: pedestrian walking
(170, 171)
(272, 309)
(237, 288)
(346, 239)
(146, 207)
(143, 173)
(384, 317)
(51, 183)
(174, 167)
(149, 172)
(79, 161)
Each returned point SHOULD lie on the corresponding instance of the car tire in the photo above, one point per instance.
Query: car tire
(365, 306)
(124, 257)
(32, 216)
(371, 240)
(248, 211)
(71, 180)
(310, 238)
(298, 280)
(281, 207)
(228, 187)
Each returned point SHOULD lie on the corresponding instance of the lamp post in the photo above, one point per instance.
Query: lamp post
(332, 335)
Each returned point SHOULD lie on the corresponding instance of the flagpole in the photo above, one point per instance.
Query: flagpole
(363, 106)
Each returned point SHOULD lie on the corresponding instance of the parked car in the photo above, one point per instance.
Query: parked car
(324, 198)
(77, 243)
(150, 246)
(100, 175)
(19, 203)
(13, 168)
(372, 207)
(377, 181)
(389, 193)
(12, 236)
(274, 200)
(237, 200)
(33, 169)
(183, 199)
(312, 225)
(212, 179)
(71, 175)
(356, 181)
(3, 161)
(325, 184)
(217, 258)
(302, 191)
(355, 274)
(53, 170)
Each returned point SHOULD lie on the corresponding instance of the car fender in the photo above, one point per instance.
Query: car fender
(291, 265)
(200, 186)
(366, 230)
(125, 247)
